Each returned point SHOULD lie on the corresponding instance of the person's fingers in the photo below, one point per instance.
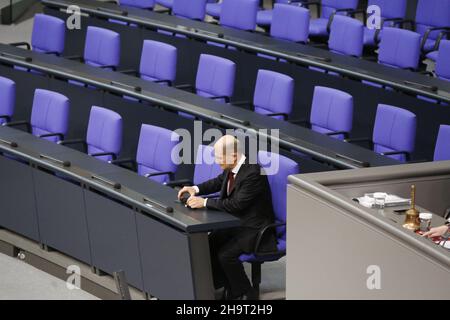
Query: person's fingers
(426, 234)
(182, 190)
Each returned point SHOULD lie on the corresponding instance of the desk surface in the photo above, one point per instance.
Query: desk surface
(134, 188)
(319, 146)
(255, 42)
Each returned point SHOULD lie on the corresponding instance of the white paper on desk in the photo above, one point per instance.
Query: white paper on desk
(391, 200)
(446, 245)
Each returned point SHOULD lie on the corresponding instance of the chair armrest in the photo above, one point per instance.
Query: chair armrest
(359, 140)
(109, 66)
(7, 118)
(188, 87)
(75, 57)
(303, 122)
(260, 237)
(335, 133)
(100, 154)
(439, 39)
(427, 34)
(19, 123)
(179, 183)
(21, 44)
(284, 115)
(242, 103)
(331, 18)
(390, 153)
(155, 174)
(129, 71)
(60, 135)
(169, 82)
(121, 162)
(226, 98)
(163, 11)
(74, 141)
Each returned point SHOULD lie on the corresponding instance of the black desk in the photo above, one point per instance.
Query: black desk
(164, 254)
(113, 85)
(258, 43)
(430, 115)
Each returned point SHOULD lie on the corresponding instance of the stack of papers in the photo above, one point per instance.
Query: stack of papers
(392, 200)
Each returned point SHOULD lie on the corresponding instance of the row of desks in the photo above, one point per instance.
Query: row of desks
(402, 80)
(162, 106)
(193, 38)
(75, 208)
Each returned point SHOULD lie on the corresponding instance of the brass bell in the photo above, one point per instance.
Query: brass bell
(412, 215)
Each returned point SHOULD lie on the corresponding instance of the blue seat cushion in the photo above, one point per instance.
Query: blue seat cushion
(250, 257)
(213, 9)
(264, 17)
(318, 27)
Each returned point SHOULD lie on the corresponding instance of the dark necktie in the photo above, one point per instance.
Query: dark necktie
(230, 181)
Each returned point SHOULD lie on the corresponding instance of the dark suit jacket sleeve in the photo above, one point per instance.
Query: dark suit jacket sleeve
(211, 186)
(248, 192)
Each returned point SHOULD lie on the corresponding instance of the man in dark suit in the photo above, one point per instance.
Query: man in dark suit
(245, 193)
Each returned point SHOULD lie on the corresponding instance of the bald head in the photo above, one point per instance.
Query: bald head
(227, 152)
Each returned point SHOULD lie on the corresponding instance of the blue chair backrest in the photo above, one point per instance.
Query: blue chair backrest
(102, 47)
(399, 48)
(278, 168)
(48, 34)
(158, 61)
(215, 76)
(192, 9)
(395, 130)
(290, 23)
(331, 111)
(274, 93)
(346, 36)
(442, 149)
(104, 133)
(443, 60)
(432, 13)
(142, 4)
(50, 114)
(239, 14)
(8, 94)
(329, 6)
(154, 153)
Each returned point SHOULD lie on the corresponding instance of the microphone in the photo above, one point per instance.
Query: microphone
(184, 197)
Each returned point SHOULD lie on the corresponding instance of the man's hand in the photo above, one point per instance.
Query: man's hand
(190, 190)
(436, 232)
(196, 202)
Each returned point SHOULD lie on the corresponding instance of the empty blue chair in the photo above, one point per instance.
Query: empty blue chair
(443, 61)
(290, 23)
(192, 9)
(102, 48)
(154, 153)
(394, 133)
(48, 35)
(399, 48)
(264, 17)
(278, 185)
(274, 94)
(141, 4)
(8, 94)
(391, 12)
(158, 62)
(442, 149)
(432, 17)
(239, 14)
(332, 112)
(215, 77)
(319, 26)
(104, 134)
(346, 36)
(49, 116)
